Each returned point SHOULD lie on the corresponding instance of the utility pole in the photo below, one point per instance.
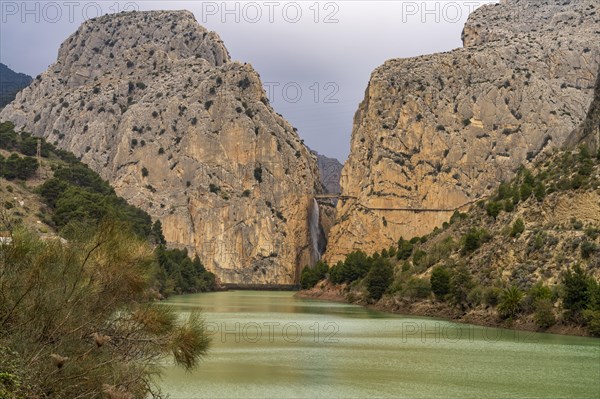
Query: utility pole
(38, 155)
(39, 152)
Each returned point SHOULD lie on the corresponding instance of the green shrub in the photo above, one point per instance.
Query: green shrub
(88, 324)
(355, 266)
(493, 208)
(82, 176)
(491, 296)
(405, 249)
(475, 296)
(510, 303)
(16, 167)
(258, 174)
(244, 83)
(417, 288)
(526, 191)
(335, 273)
(577, 182)
(577, 295)
(540, 291)
(587, 249)
(179, 274)
(592, 232)
(577, 224)
(457, 216)
(310, 276)
(518, 228)
(539, 191)
(461, 283)
(474, 239)
(544, 313)
(592, 319)
(157, 234)
(379, 278)
(440, 282)
(419, 257)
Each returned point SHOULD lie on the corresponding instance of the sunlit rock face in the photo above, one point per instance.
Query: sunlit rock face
(152, 102)
(437, 132)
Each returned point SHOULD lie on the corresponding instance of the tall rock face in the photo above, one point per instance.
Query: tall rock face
(152, 102)
(589, 133)
(330, 171)
(437, 132)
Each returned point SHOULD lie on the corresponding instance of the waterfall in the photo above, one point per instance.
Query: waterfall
(314, 229)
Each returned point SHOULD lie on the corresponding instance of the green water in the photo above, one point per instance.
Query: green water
(271, 345)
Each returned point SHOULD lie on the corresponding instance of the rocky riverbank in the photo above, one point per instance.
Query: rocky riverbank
(482, 316)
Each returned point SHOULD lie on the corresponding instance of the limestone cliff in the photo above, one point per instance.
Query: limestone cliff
(589, 133)
(437, 132)
(152, 102)
(330, 170)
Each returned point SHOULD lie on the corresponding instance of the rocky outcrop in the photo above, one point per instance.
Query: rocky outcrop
(152, 102)
(589, 132)
(330, 171)
(437, 132)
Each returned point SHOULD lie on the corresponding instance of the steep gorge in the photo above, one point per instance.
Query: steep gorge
(154, 104)
(437, 132)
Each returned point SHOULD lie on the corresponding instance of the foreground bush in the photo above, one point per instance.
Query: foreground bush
(77, 319)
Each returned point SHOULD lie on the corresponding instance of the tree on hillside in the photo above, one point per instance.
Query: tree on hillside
(440, 282)
(157, 233)
(16, 167)
(180, 274)
(355, 266)
(461, 283)
(310, 276)
(576, 292)
(379, 278)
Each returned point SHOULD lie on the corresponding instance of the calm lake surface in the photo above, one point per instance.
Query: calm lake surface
(272, 345)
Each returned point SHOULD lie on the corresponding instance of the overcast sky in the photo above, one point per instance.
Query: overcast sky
(315, 58)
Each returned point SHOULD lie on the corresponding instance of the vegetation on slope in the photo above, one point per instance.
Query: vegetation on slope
(77, 195)
(11, 83)
(530, 254)
(77, 311)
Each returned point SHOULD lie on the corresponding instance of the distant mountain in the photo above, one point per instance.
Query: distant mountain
(11, 83)
(330, 170)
